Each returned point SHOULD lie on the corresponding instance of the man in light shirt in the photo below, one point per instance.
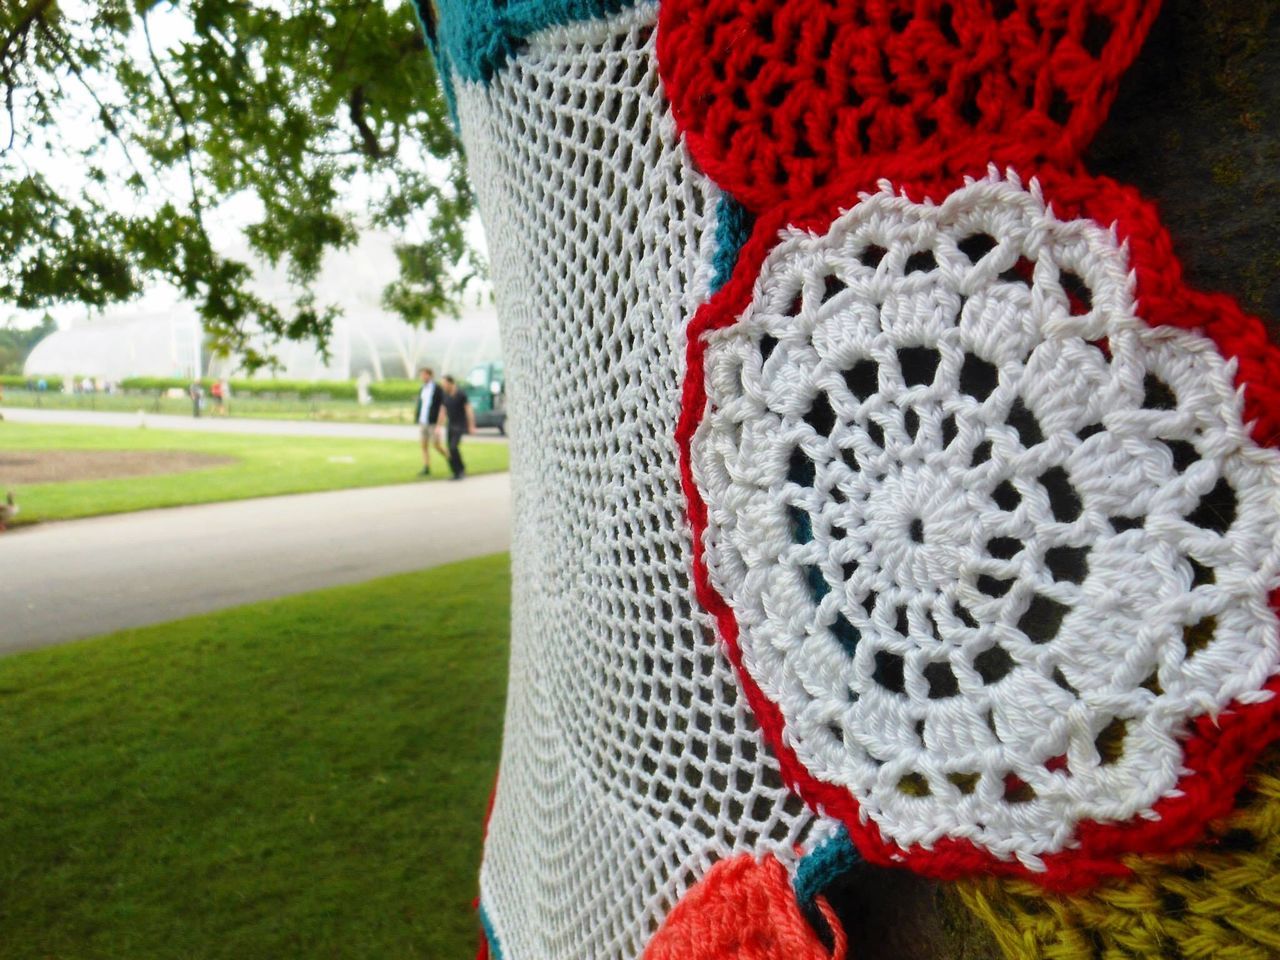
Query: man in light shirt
(425, 415)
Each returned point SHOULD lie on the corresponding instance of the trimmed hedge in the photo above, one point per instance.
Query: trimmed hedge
(303, 389)
(384, 391)
(395, 390)
(20, 380)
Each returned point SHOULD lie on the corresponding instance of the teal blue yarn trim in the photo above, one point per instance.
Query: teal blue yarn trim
(828, 862)
(443, 69)
(495, 949)
(478, 37)
(733, 227)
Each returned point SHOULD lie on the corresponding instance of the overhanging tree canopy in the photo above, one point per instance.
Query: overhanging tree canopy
(126, 123)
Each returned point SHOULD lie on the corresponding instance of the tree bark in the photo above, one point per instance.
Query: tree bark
(1196, 128)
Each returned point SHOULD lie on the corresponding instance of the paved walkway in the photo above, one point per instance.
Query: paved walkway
(79, 578)
(288, 428)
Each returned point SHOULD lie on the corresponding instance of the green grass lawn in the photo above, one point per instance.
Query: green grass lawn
(305, 777)
(265, 466)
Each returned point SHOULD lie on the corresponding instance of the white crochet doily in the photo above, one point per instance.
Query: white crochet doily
(989, 538)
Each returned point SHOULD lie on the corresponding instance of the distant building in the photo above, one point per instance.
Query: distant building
(160, 336)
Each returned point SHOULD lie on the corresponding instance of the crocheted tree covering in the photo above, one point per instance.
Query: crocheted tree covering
(744, 909)
(1218, 901)
(1012, 590)
(631, 761)
(985, 495)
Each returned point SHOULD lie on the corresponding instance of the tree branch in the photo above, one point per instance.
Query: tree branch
(9, 89)
(27, 19)
(103, 112)
(340, 62)
(188, 144)
(372, 148)
(35, 11)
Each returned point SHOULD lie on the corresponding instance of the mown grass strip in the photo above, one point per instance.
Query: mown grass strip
(304, 777)
(265, 466)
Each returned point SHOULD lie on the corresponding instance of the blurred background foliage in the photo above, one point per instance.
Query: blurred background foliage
(127, 126)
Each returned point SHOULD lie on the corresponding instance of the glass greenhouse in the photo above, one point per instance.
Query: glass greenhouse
(159, 337)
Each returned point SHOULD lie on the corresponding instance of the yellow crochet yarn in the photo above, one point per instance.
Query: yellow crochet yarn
(1220, 901)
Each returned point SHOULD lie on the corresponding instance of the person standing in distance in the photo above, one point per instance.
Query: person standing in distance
(425, 416)
(461, 420)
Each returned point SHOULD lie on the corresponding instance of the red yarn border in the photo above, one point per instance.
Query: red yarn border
(1219, 751)
(482, 948)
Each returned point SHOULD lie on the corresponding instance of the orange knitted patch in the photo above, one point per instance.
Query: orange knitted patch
(744, 909)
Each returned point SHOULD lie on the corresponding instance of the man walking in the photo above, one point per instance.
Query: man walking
(425, 416)
(461, 420)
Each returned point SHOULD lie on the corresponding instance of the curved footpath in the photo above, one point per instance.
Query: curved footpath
(79, 578)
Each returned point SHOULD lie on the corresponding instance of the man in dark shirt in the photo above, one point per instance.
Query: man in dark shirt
(461, 420)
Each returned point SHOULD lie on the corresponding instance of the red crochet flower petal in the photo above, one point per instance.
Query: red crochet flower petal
(743, 909)
(775, 97)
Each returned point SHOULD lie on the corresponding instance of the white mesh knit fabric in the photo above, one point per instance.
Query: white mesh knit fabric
(991, 540)
(630, 763)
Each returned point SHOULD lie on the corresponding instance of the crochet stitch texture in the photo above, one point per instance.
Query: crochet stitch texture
(631, 762)
(476, 38)
(939, 455)
(989, 539)
(1218, 901)
(744, 909)
(780, 98)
